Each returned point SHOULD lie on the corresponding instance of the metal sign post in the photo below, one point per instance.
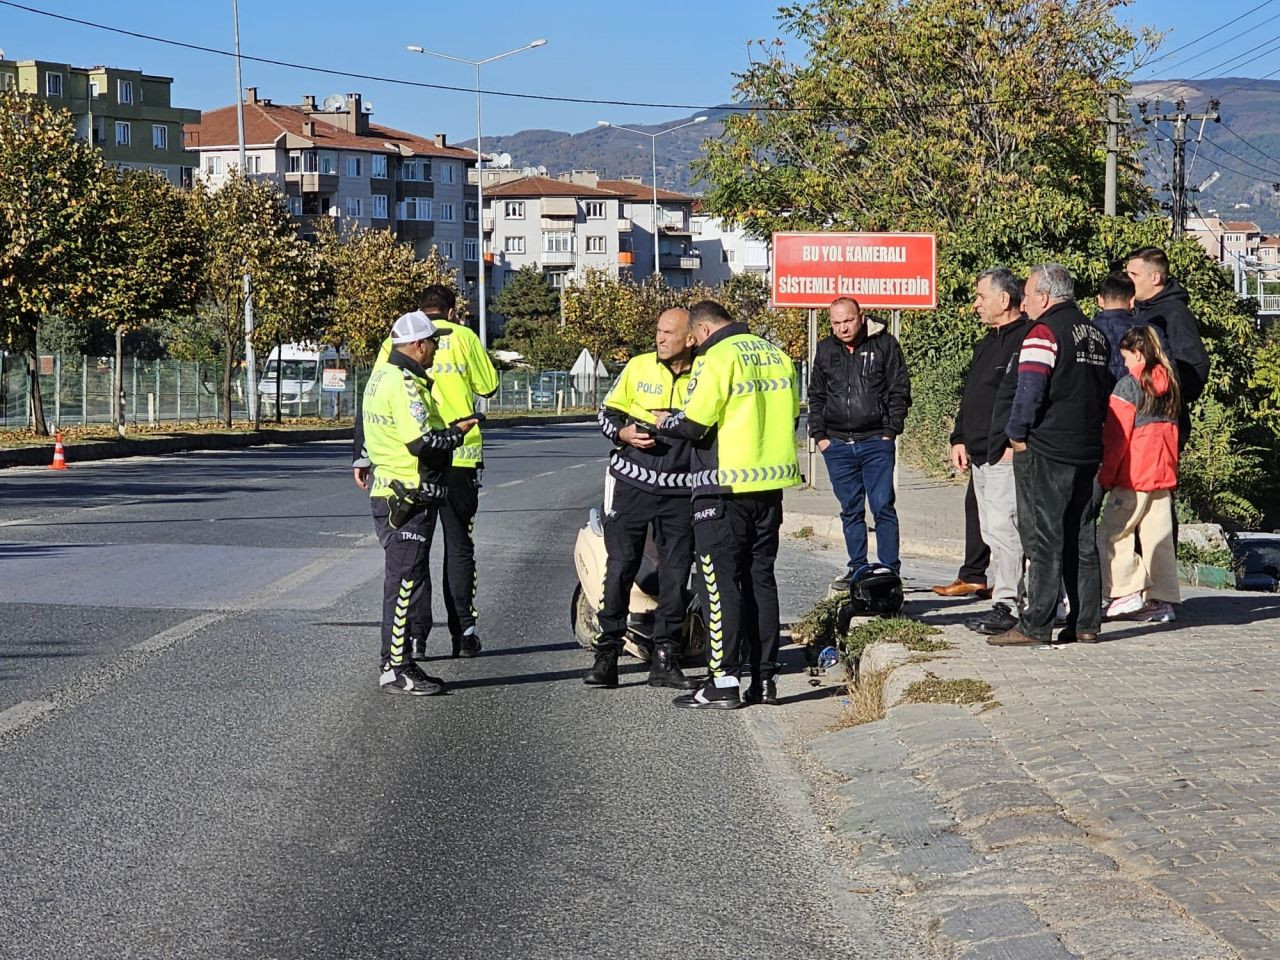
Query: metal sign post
(812, 465)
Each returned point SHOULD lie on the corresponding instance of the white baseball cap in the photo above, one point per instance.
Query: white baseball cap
(412, 327)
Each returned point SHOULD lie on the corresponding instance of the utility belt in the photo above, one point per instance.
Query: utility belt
(405, 502)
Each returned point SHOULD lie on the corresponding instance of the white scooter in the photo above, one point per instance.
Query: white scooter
(589, 557)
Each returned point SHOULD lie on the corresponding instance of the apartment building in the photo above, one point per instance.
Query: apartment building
(127, 114)
(331, 160)
(725, 250)
(679, 259)
(1226, 240)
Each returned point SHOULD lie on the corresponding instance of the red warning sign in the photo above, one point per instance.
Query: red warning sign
(882, 271)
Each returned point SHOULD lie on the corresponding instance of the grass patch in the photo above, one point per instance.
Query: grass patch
(915, 636)
(818, 626)
(937, 690)
(804, 533)
(866, 699)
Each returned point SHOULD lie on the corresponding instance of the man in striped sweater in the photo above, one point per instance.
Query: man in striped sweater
(1055, 430)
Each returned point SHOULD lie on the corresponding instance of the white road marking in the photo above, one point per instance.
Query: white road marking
(510, 483)
(21, 714)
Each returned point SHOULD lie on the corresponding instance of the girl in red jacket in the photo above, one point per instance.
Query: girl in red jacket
(1140, 472)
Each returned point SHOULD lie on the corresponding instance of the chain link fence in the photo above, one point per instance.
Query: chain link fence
(76, 390)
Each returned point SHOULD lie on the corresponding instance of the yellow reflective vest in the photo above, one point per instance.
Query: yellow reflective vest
(743, 404)
(405, 437)
(647, 385)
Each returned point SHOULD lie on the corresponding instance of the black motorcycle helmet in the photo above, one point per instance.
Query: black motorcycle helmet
(875, 591)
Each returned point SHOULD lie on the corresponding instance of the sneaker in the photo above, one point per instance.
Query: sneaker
(1156, 612)
(710, 697)
(468, 645)
(842, 584)
(1123, 606)
(999, 620)
(1064, 611)
(408, 678)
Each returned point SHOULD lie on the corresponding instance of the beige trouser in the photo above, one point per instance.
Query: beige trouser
(1130, 517)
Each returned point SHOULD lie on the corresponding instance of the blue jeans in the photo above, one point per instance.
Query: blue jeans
(861, 473)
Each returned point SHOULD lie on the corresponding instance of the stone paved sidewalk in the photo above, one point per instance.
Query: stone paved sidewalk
(1154, 757)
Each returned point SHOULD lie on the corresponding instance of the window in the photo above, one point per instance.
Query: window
(159, 136)
(94, 89)
(295, 206)
(557, 241)
(446, 213)
(213, 165)
(53, 84)
(557, 279)
(310, 162)
(415, 170)
(378, 166)
(595, 211)
(253, 163)
(726, 256)
(294, 163)
(124, 91)
(378, 206)
(513, 210)
(122, 133)
(469, 248)
(354, 166)
(355, 207)
(470, 211)
(513, 245)
(328, 163)
(448, 172)
(595, 245)
(446, 249)
(417, 208)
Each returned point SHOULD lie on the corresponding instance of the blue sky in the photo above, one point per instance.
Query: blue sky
(662, 51)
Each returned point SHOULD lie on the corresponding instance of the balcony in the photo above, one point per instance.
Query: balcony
(1269, 304)
(313, 182)
(626, 259)
(679, 261)
(488, 223)
(624, 225)
(558, 258)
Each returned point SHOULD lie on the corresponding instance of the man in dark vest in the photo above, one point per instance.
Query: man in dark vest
(1055, 430)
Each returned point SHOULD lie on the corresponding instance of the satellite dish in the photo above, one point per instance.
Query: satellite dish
(334, 102)
(368, 107)
(542, 171)
(503, 160)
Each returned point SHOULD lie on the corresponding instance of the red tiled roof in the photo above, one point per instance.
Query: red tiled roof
(543, 187)
(1241, 226)
(264, 123)
(639, 191)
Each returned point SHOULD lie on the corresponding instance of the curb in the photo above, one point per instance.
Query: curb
(830, 528)
(39, 456)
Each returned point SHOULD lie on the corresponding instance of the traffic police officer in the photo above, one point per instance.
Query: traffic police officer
(742, 412)
(460, 372)
(408, 446)
(651, 486)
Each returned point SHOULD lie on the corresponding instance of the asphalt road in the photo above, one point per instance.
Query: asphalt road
(195, 760)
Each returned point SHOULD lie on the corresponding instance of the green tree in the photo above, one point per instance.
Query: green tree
(531, 309)
(375, 279)
(52, 196)
(245, 228)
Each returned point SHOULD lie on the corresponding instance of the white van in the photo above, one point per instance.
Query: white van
(299, 368)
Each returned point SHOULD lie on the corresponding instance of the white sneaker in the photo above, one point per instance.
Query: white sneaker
(1123, 606)
(1156, 612)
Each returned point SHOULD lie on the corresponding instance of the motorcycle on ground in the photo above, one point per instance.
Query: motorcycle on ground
(589, 557)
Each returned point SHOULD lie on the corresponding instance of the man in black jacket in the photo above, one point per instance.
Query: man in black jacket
(980, 446)
(1161, 302)
(859, 395)
(1055, 430)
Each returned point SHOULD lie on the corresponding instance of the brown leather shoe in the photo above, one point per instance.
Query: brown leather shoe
(1087, 637)
(962, 588)
(1012, 638)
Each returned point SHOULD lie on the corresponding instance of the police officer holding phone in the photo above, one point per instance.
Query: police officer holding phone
(651, 487)
(408, 448)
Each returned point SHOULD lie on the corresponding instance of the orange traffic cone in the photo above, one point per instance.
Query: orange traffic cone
(59, 456)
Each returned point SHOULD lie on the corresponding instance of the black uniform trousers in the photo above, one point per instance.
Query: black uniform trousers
(625, 528)
(736, 540)
(458, 520)
(406, 582)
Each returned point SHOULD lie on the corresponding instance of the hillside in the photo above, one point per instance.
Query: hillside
(1242, 192)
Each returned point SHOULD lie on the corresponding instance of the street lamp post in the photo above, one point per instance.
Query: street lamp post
(250, 362)
(483, 322)
(653, 144)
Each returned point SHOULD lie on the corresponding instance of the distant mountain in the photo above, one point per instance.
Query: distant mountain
(1242, 192)
(611, 152)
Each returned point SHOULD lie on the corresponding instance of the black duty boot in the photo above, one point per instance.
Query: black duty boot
(664, 670)
(604, 673)
(765, 692)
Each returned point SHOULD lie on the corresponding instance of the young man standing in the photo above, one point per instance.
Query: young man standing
(859, 395)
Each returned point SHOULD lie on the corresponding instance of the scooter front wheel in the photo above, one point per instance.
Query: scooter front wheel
(586, 630)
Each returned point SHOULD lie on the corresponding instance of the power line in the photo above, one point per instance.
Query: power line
(1232, 60)
(1250, 163)
(1256, 150)
(1216, 46)
(1205, 36)
(471, 91)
